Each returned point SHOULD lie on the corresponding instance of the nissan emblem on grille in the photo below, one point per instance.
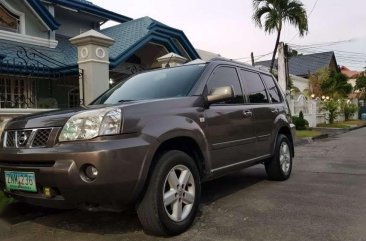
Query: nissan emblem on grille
(36, 138)
(22, 138)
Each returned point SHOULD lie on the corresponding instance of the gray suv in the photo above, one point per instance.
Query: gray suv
(150, 142)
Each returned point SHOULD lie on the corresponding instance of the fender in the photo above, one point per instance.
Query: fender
(280, 122)
(165, 128)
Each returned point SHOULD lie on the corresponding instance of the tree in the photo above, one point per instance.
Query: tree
(348, 109)
(361, 85)
(315, 81)
(332, 107)
(278, 12)
(329, 83)
(336, 86)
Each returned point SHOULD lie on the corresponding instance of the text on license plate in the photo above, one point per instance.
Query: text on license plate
(24, 181)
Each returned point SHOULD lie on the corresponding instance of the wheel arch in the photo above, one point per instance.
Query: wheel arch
(190, 144)
(285, 130)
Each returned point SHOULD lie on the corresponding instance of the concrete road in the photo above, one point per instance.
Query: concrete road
(325, 199)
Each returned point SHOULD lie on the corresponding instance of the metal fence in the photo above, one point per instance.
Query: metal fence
(23, 71)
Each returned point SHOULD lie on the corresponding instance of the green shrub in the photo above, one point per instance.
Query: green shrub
(348, 109)
(300, 122)
(301, 115)
(332, 107)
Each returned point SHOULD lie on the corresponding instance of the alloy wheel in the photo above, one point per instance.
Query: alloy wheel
(179, 193)
(285, 157)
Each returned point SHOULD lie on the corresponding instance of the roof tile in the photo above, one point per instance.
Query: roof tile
(304, 65)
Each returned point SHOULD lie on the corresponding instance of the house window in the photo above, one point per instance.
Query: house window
(9, 21)
(16, 93)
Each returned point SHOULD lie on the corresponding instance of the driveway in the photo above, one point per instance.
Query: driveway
(325, 199)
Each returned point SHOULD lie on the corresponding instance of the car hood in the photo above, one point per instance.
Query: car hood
(58, 118)
(55, 118)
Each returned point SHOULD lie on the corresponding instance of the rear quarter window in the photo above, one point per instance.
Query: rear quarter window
(273, 91)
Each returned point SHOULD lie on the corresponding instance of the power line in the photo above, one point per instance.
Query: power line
(339, 55)
(256, 58)
(324, 44)
(349, 53)
(312, 10)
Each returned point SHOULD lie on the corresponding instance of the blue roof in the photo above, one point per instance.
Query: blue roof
(44, 14)
(32, 58)
(88, 7)
(126, 35)
(304, 65)
(129, 37)
(132, 35)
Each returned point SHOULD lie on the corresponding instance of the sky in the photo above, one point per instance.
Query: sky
(227, 28)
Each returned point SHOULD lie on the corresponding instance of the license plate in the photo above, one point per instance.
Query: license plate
(23, 181)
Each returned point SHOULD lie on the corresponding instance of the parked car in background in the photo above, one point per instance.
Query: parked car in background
(150, 142)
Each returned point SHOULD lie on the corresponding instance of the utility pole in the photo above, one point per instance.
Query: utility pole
(287, 68)
(282, 71)
(252, 57)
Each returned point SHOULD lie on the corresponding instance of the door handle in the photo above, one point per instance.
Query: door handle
(247, 113)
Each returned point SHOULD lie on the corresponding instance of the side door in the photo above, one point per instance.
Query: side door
(263, 115)
(230, 126)
(277, 100)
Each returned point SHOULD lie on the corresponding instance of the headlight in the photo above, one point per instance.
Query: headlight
(90, 124)
(2, 126)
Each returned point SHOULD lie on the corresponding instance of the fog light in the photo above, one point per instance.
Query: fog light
(48, 192)
(91, 172)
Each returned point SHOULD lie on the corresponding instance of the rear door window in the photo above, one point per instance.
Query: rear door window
(273, 91)
(254, 87)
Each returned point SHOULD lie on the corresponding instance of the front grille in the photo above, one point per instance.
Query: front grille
(41, 138)
(35, 138)
(10, 139)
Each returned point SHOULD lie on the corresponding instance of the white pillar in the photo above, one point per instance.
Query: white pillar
(282, 66)
(93, 59)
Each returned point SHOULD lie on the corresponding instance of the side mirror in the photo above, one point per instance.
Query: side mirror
(220, 94)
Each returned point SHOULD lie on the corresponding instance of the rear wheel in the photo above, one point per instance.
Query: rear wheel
(170, 203)
(279, 167)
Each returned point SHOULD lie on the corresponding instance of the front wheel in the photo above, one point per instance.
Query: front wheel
(279, 167)
(170, 203)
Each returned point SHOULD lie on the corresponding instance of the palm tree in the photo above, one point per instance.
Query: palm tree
(276, 13)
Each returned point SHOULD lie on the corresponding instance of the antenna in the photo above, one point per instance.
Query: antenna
(167, 64)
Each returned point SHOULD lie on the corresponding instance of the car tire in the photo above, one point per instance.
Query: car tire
(161, 214)
(279, 167)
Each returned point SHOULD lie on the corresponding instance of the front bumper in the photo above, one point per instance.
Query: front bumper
(119, 162)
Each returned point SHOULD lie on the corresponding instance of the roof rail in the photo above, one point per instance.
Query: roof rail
(261, 68)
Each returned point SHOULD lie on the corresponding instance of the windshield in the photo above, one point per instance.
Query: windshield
(163, 83)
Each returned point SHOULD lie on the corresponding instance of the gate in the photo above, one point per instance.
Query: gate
(31, 79)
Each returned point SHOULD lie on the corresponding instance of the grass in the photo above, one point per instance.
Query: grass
(4, 201)
(344, 124)
(355, 122)
(307, 133)
(334, 125)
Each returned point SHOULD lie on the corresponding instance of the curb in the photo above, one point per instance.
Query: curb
(308, 140)
(356, 128)
(319, 137)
